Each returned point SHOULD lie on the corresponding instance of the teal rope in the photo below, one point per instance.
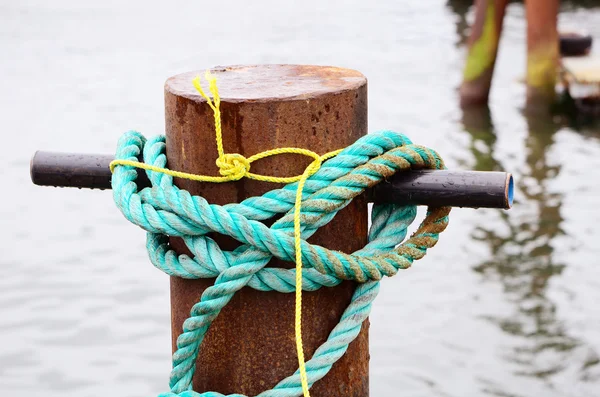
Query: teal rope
(165, 210)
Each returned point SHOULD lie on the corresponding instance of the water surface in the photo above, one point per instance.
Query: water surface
(505, 305)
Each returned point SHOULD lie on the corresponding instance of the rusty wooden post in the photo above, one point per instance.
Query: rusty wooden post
(483, 47)
(542, 50)
(251, 346)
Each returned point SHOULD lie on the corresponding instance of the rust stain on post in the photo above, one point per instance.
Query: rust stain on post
(250, 346)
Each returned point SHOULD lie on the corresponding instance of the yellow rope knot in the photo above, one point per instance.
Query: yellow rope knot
(233, 166)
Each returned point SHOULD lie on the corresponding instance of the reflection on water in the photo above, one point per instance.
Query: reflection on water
(478, 123)
(522, 259)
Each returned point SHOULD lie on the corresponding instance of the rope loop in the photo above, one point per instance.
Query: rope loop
(304, 204)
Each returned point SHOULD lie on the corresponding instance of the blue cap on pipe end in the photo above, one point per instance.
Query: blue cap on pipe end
(509, 191)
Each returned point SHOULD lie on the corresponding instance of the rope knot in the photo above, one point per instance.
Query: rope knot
(234, 166)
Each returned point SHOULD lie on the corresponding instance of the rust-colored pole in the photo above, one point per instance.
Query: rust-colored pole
(542, 50)
(481, 56)
(251, 346)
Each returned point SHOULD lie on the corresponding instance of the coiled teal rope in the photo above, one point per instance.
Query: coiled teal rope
(164, 210)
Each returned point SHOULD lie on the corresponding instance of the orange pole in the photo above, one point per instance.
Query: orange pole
(542, 50)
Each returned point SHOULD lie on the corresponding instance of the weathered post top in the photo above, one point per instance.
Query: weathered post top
(250, 346)
(270, 82)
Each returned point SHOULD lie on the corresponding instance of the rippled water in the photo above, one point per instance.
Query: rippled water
(505, 305)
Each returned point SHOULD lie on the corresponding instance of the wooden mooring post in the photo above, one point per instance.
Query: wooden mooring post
(250, 347)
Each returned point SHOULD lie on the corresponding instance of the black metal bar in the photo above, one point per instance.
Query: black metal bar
(474, 189)
(88, 171)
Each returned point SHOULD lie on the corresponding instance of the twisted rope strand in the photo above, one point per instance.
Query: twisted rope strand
(306, 203)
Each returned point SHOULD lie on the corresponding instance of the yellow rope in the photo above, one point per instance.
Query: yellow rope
(234, 166)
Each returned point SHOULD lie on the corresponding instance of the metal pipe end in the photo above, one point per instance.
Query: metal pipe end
(510, 187)
(32, 163)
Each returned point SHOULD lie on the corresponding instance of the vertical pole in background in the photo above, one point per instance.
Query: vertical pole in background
(250, 346)
(483, 47)
(542, 50)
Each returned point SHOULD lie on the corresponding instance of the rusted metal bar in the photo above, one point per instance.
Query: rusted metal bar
(250, 346)
(473, 189)
(483, 47)
(542, 51)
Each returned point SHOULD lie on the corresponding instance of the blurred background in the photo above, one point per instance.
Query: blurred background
(506, 303)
